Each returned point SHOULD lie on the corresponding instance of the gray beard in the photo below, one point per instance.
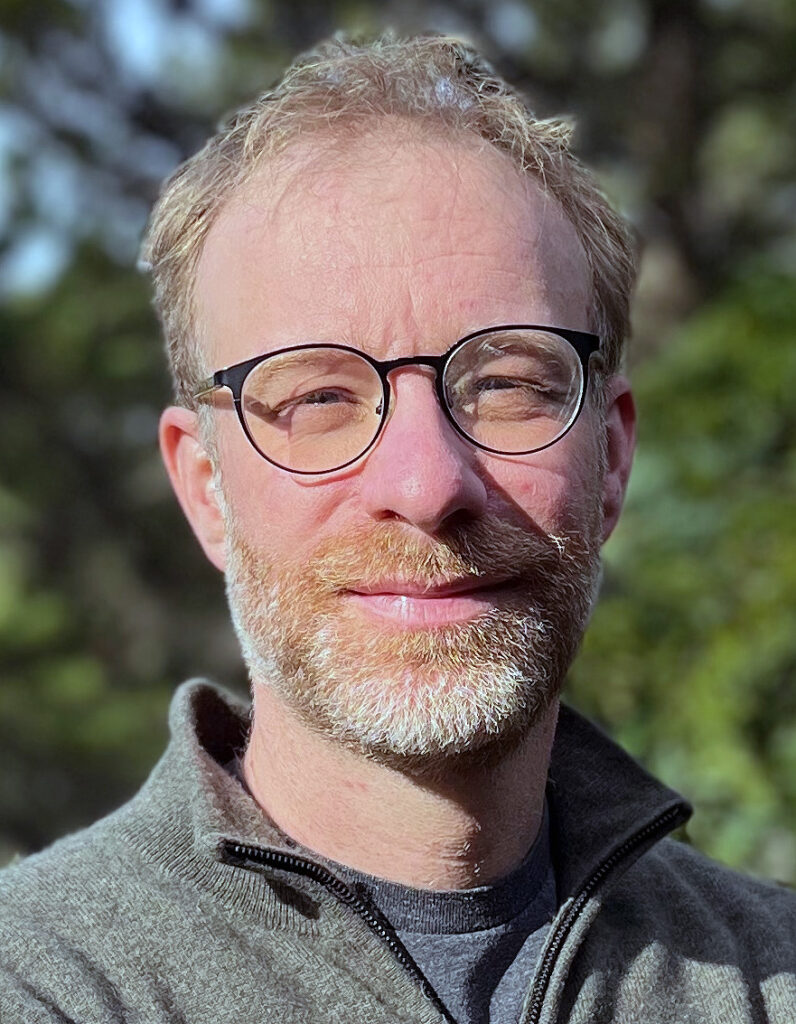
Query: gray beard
(415, 699)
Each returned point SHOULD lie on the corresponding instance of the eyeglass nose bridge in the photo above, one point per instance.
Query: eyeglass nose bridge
(385, 367)
(388, 365)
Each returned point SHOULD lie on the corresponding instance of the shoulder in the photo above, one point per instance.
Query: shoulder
(676, 896)
(680, 872)
(679, 937)
(67, 877)
(60, 915)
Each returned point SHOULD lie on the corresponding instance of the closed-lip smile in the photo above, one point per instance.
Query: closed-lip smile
(406, 605)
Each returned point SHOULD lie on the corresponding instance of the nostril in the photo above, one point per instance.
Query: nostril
(385, 514)
(458, 519)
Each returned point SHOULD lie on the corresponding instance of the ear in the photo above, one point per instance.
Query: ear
(620, 427)
(191, 473)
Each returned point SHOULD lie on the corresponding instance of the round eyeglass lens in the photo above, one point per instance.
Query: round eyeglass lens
(312, 410)
(514, 391)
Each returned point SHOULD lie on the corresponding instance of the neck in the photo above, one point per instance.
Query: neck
(471, 826)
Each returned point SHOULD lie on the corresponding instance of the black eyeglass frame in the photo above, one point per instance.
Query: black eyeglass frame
(233, 377)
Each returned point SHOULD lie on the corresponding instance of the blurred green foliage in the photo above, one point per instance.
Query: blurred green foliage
(686, 110)
(691, 656)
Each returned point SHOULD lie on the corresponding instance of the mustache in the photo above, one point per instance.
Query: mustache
(488, 547)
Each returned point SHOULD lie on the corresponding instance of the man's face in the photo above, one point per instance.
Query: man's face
(427, 600)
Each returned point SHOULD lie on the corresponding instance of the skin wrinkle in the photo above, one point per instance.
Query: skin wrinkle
(320, 165)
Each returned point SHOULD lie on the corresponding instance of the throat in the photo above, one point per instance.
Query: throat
(465, 828)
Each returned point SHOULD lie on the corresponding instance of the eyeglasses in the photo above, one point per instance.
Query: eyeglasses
(509, 390)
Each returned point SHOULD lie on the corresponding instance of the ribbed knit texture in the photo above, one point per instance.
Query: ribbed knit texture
(145, 919)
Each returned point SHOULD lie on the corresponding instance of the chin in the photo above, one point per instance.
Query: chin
(422, 719)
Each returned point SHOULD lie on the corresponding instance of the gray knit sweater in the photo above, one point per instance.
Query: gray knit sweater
(184, 906)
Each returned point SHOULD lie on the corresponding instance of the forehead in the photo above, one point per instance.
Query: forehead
(394, 243)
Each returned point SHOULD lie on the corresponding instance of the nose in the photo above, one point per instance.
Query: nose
(421, 471)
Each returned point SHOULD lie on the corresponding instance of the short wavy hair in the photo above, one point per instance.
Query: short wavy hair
(348, 87)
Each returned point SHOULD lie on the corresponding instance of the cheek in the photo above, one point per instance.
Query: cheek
(282, 517)
(558, 489)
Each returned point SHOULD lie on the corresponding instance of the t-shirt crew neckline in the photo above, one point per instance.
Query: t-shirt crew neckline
(455, 911)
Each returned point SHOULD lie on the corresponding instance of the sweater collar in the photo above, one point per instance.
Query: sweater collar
(599, 797)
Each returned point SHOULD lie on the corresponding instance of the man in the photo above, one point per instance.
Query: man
(394, 305)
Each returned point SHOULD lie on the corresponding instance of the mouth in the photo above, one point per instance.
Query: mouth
(408, 605)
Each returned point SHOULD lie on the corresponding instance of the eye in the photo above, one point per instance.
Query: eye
(503, 383)
(530, 387)
(308, 401)
(321, 397)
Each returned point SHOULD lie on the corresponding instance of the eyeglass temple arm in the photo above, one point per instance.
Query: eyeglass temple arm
(206, 387)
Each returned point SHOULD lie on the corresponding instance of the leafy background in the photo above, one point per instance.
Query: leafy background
(686, 109)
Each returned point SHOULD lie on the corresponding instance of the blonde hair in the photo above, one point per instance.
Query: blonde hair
(340, 87)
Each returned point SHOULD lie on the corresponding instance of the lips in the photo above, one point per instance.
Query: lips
(409, 605)
(408, 588)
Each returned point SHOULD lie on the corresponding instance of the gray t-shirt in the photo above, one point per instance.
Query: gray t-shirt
(478, 947)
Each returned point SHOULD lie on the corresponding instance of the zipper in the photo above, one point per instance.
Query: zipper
(240, 853)
(657, 829)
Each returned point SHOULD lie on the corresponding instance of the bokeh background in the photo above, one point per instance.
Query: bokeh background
(686, 108)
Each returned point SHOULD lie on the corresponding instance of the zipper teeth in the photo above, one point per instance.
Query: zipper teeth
(339, 889)
(288, 862)
(659, 825)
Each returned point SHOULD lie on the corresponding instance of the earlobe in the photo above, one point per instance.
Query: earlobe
(190, 471)
(620, 427)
